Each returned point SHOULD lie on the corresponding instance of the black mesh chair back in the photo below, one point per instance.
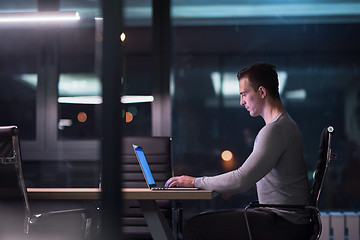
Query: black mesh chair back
(158, 154)
(13, 192)
(15, 212)
(324, 158)
(9, 190)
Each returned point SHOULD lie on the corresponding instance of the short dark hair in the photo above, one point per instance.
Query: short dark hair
(262, 74)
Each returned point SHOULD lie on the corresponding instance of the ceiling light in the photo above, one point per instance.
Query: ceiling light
(99, 100)
(298, 94)
(81, 100)
(39, 16)
(136, 99)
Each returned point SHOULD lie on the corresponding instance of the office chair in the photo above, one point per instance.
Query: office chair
(158, 152)
(13, 192)
(324, 157)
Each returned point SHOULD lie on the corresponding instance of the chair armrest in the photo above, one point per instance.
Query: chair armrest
(256, 204)
(85, 212)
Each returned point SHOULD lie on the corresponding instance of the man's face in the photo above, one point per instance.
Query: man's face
(251, 100)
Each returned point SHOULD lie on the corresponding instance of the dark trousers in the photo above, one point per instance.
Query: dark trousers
(231, 224)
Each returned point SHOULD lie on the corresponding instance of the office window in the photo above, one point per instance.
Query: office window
(37, 59)
(19, 78)
(137, 69)
(137, 82)
(79, 106)
(18, 102)
(316, 56)
(18, 6)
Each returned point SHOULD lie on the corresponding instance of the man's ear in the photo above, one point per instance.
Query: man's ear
(262, 91)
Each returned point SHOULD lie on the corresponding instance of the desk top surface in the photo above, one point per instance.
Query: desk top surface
(127, 193)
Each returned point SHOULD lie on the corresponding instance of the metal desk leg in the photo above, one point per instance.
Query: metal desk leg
(159, 227)
(177, 219)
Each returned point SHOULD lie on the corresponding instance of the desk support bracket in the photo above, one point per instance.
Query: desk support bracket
(156, 221)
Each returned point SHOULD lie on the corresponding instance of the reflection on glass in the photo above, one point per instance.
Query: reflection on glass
(18, 103)
(79, 109)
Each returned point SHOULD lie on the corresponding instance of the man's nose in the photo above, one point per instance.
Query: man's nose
(242, 102)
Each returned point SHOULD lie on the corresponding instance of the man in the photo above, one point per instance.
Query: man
(276, 165)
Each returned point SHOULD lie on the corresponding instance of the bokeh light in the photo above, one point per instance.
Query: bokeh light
(129, 117)
(82, 117)
(122, 37)
(226, 155)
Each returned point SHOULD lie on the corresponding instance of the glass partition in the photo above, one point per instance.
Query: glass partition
(45, 70)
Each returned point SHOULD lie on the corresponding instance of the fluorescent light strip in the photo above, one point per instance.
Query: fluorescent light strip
(136, 99)
(39, 16)
(99, 100)
(81, 100)
(264, 10)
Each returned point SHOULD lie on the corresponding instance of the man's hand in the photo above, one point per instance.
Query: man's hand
(181, 181)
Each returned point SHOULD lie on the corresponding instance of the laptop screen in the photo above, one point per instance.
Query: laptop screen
(144, 165)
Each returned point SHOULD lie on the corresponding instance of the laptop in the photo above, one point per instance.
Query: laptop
(140, 155)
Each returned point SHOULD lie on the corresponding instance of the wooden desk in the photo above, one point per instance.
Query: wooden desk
(156, 221)
(64, 193)
(128, 194)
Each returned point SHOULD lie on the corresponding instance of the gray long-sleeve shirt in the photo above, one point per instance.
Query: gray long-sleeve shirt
(276, 165)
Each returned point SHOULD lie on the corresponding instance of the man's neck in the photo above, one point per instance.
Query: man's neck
(271, 110)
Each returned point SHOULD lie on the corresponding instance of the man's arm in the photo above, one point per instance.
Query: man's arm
(267, 151)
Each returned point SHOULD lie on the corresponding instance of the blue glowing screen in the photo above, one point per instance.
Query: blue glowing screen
(144, 166)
